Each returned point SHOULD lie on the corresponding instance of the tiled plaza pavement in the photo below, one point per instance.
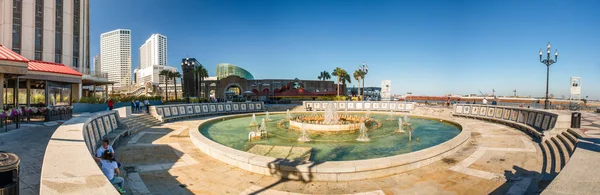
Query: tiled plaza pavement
(169, 163)
(590, 124)
(29, 143)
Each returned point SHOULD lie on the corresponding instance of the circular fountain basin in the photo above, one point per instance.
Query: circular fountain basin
(323, 127)
(334, 157)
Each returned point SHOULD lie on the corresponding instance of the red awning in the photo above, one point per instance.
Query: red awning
(7, 54)
(51, 67)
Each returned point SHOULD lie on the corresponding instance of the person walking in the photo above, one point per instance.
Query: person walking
(137, 105)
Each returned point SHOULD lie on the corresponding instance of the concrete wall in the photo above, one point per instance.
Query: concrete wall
(85, 107)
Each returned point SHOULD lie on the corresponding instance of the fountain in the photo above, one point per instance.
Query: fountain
(288, 116)
(363, 137)
(253, 121)
(400, 124)
(314, 112)
(267, 116)
(391, 117)
(330, 115)
(304, 137)
(409, 129)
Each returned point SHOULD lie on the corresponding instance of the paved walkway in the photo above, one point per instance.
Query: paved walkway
(169, 163)
(590, 124)
(29, 143)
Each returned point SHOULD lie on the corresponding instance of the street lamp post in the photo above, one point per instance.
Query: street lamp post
(187, 66)
(548, 62)
(364, 68)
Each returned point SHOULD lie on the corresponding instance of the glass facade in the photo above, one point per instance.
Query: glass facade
(17, 23)
(225, 70)
(58, 28)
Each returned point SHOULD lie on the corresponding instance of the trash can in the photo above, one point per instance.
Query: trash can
(575, 119)
(9, 173)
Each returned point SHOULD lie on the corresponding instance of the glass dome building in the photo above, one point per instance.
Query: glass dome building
(224, 70)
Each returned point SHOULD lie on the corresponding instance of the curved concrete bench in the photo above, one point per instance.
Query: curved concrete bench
(394, 106)
(68, 166)
(165, 113)
(330, 170)
(532, 122)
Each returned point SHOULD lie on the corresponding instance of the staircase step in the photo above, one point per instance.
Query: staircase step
(574, 133)
(570, 147)
(555, 157)
(564, 153)
(571, 137)
(548, 159)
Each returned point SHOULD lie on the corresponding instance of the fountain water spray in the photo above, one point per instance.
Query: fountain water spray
(330, 115)
(263, 128)
(391, 117)
(405, 118)
(368, 114)
(304, 137)
(267, 116)
(253, 122)
(400, 124)
(409, 129)
(363, 137)
(288, 116)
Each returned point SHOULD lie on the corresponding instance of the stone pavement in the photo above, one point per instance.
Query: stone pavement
(496, 157)
(590, 124)
(29, 143)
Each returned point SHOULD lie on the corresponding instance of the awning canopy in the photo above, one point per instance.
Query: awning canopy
(11, 62)
(50, 67)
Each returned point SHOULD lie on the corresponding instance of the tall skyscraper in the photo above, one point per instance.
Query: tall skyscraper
(153, 59)
(115, 56)
(154, 51)
(97, 64)
(52, 31)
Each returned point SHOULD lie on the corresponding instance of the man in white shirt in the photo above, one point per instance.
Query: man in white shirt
(147, 103)
(105, 147)
(111, 170)
(484, 101)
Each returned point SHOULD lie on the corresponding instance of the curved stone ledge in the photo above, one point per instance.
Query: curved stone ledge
(331, 170)
(68, 166)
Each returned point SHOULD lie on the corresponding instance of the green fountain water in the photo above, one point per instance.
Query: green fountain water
(383, 141)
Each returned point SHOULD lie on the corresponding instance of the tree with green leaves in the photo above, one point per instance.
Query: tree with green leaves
(358, 76)
(199, 74)
(324, 76)
(175, 75)
(342, 77)
(165, 76)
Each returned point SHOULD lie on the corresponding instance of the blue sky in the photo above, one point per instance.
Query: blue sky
(425, 47)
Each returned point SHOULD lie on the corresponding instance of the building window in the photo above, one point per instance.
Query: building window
(58, 28)
(39, 29)
(76, 29)
(16, 28)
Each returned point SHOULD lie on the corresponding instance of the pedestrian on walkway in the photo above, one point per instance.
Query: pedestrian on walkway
(147, 103)
(137, 105)
(111, 104)
(111, 170)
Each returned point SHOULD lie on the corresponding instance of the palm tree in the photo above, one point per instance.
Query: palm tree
(324, 75)
(342, 76)
(358, 75)
(175, 75)
(200, 73)
(165, 75)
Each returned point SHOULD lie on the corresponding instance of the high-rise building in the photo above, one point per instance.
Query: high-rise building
(154, 51)
(386, 90)
(97, 63)
(115, 56)
(52, 31)
(153, 59)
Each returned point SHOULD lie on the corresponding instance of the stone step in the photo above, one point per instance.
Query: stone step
(574, 133)
(568, 144)
(564, 153)
(571, 137)
(547, 159)
(555, 157)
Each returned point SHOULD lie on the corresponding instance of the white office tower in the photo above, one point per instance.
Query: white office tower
(51, 31)
(115, 56)
(154, 51)
(386, 90)
(153, 59)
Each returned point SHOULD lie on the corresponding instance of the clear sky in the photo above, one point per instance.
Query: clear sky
(425, 47)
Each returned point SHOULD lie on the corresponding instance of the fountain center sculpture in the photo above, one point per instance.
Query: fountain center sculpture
(330, 121)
